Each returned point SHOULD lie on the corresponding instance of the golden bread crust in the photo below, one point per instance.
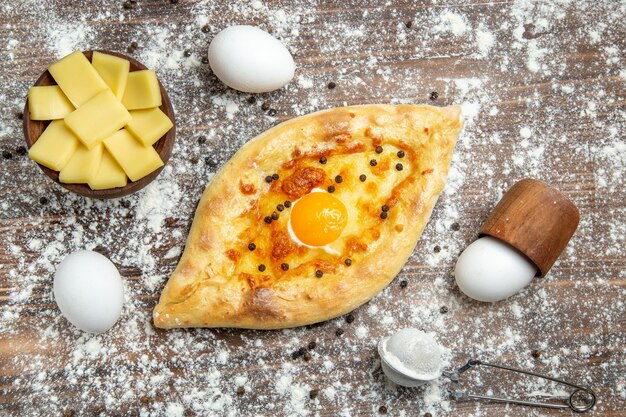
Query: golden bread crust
(217, 282)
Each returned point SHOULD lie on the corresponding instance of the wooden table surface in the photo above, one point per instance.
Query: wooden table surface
(542, 89)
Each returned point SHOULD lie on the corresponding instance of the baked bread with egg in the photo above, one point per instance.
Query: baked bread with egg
(312, 218)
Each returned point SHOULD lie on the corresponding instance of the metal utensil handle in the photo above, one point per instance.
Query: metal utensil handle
(591, 396)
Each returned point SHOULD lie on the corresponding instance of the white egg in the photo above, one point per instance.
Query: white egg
(88, 290)
(491, 270)
(249, 59)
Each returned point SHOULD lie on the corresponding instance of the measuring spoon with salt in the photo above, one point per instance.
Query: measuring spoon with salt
(412, 358)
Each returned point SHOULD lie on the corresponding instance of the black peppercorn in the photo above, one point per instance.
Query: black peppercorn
(205, 60)
(401, 154)
(298, 353)
(338, 179)
(251, 246)
(206, 29)
(307, 356)
(201, 139)
(319, 273)
(408, 24)
(21, 150)
(314, 393)
(382, 409)
(373, 162)
(331, 188)
(265, 106)
(348, 262)
(43, 201)
(434, 95)
(261, 267)
(312, 345)
(383, 215)
(443, 310)
(187, 53)
(274, 216)
(362, 177)
(251, 100)
(455, 226)
(535, 354)
(385, 207)
(174, 1)
(284, 266)
(331, 85)
(275, 177)
(403, 284)
(7, 155)
(350, 318)
(399, 167)
(267, 219)
(268, 179)
(19, 115)
(240, 390)
(280, 207)
(339, 332)
(129, 5)
(287, 203)
(379, 149)
(323, 160)
(271, 112)
(437, 249)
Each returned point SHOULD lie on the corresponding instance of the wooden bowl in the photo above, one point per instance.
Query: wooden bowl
(34, 128)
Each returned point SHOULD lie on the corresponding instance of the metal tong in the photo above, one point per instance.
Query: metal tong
(580, 400)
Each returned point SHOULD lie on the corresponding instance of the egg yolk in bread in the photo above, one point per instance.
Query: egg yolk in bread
(318, 218)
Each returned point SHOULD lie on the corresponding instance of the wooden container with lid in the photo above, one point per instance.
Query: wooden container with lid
(535, 219)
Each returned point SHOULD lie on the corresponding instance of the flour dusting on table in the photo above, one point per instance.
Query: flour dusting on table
(508, 61)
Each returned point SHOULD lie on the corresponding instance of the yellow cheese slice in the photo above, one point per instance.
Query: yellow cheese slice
(83, 165)
(142, 90)
(55, 146)
(109, 175)
(113, 70)
(149, 125)
(77, 78)
(48, 103)
(98, 118)
(136, 159)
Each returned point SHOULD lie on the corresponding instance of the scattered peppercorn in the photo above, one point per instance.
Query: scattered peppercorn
(455, 226)
(133, 46)
(319, 273)
(284, 266)
(145, 400)
(125, 203)
(339, 332)
(379, 149)
(403, 283)
(443, 310)
(408, 24)
(535, 353)
(385, 208)
(298, 353)
(338, 179)
(241, 391)
(271, 112)
(314, 393)
(382, 409)
(348, 262)
(399, 167)
(280, 207)
(268, 179)
(21, 150)
(187, 53)
(201, 139)
(307, 356)
(331, 188)
(174, 1)
(206, 28)
(437, 249)
(383, 215)
(129, 5)
(287, 203)
(428, 415)
(43, 201)
(210, 161)
(362, 177)
(7, 155)
(265, 106)
(251, 246)
(261, 267)
(323, 160)
(194, 160)
(401, 154)
(267, 219)
(434, 95)
(19, 115)
(275, 177)
(312, 345)
(274, 216)
(373, 162)
(69, 413)
(350, 318)
(331, 85)
(251, 100)
(205, 60)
